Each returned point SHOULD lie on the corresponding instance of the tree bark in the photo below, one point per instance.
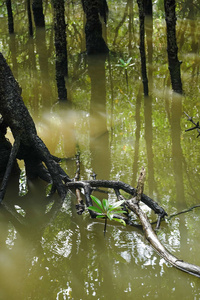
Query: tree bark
(142, 47)
(5, 150)
(60, 47)
(31, 148)
(95, 43)
(29, 18)
(37, 7)
(10, 16)
(148, 8)
(172, 49)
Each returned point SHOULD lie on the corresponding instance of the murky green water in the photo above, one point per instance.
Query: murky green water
(65, 256)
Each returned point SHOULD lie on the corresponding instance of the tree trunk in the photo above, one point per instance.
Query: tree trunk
(142, 47)
(10, 16)
(60, 47)
(148, 8)
(95, 43)
(172, 49)
(37, 8)
(5, 150)
(31, 148)
(29, 18)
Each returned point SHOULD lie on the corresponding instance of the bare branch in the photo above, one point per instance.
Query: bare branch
(196, 125)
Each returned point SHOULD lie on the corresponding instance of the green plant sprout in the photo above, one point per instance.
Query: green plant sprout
(107, 211)
(125, 65)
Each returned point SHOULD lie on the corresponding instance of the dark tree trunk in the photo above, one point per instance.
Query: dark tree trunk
(95, 43)
(5, 149)
(31, 148)
(148, 8)
(60, 47)
(10, 16)
(37, 8)
(103, 10)
(29, 18)
(172, 49)
(142, 47)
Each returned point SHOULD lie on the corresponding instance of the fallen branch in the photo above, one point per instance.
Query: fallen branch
(118, 185)
(182, 212)
(133, 205)
(156, 244)
(80, 205)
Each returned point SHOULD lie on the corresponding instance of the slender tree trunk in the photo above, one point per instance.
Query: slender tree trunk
(60, 47)
(172, 49)
(148, 8)
(37, 7)
(29, 18)
(142, 47)
(93, 29)
(10, 16)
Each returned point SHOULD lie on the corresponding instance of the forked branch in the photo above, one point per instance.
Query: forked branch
(133, 204)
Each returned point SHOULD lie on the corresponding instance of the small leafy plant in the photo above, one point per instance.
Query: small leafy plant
(107, 211)
(125, 65)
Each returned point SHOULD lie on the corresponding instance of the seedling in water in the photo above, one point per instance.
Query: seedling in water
(107, 211)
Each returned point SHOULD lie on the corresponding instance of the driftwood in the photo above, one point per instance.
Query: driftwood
(40, 163)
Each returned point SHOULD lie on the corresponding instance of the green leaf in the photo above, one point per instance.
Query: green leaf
(122, 61)
(117, 204)
(119, 212)
(118, 65)
(101, 216)
(129, 60)
(96, 209)
(97, 201)
(120, 221)
(105, 204)
(110, 216)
